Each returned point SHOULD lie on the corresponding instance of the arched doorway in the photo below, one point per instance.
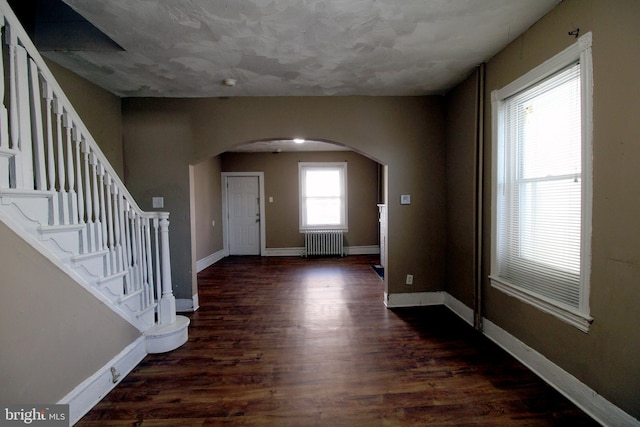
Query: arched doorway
(275, 165)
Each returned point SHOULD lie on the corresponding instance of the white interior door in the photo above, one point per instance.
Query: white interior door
(243, 195)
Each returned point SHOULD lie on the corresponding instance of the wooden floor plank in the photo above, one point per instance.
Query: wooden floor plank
(308, 342)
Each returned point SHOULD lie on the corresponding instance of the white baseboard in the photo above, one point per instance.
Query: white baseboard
(573, 389)
(363, 250)
(187, 305)
(207, 261)
(414, 299)
(89, 392)
(284, 251)
(459, 308)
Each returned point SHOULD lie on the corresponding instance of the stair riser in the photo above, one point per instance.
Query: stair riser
(66, 243)
(92, 269)
(30, 212)
(5, 165)
(112, 289)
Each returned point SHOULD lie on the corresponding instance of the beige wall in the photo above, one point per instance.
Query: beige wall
(281, 183)
(460, 177)
(163, 136)
(208, 207)
(158, 152)
(606, 359)
(63, 334)
(99, 110)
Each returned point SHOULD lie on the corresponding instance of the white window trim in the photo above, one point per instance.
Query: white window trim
(581, 50)
(343, 227)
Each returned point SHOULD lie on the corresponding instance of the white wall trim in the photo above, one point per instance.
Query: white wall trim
(209, 260)
(93, 389)
(580, 394)
(459, 308)
(185, 305)
(284, 251)
(414, 299)
(362, 250)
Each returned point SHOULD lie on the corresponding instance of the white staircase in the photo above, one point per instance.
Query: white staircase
(60, 193)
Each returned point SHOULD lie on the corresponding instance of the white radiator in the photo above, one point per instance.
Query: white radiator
(323, 242)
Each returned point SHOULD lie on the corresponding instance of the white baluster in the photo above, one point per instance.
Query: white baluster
(144, 228)
(54, 217)
(81, 203)
(149, 258)
(36, 128)
(91, 246)
(71, 175)
(103, 215)
(51, 167)
(138, 252)
(168, 301)
(117, 228)
(111, 245)
(20, 114)
(135, 276)
(4, 117)
(14, 131)
(77, 139)
(128, 243)
(97, 232)
(62, 183)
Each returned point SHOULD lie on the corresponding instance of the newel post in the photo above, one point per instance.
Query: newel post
(167, 309)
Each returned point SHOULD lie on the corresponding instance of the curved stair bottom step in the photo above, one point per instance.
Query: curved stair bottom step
(164, 338)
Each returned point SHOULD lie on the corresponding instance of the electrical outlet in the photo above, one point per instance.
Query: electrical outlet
(157, 202)
(409, 279)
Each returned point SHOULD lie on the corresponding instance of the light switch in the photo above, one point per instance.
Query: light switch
(270, 199)
(157, 202)
(405, 199)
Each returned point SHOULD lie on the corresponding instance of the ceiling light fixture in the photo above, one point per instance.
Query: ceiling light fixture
(298, 140)
(229, 82)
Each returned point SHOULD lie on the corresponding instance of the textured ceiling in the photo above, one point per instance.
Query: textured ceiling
(186, 48)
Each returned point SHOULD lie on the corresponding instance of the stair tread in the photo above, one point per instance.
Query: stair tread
(21, 192)
(77, 258)
(60, 228)
(111, 277)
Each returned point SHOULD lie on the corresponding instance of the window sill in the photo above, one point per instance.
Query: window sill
(579, 320)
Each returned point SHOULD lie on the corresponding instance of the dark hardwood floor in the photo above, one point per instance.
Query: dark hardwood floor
(308, 342)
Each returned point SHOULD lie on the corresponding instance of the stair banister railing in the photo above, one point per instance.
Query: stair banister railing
(45, 147)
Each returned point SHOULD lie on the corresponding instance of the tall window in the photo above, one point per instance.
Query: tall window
(323, 195)
(542, 186)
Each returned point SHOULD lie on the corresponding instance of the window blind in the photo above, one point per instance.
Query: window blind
(540, 190)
